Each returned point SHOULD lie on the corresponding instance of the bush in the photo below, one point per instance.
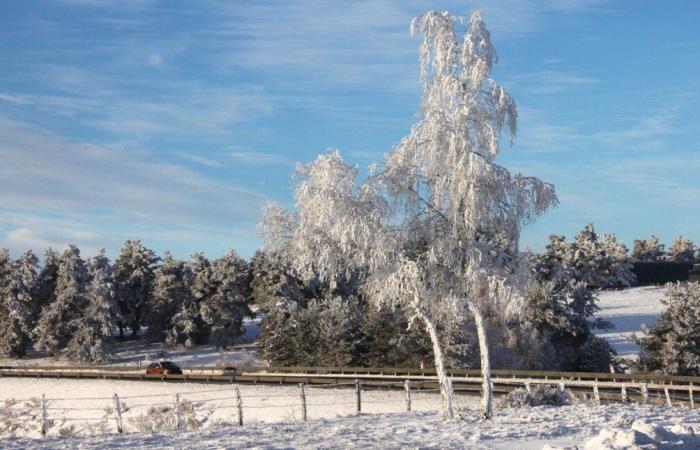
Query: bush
(540, 395)
(672, 345)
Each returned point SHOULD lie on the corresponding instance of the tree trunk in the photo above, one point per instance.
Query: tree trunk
(445, 388)
(486, 389)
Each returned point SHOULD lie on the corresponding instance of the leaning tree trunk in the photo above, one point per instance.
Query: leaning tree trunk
(486, 388)
(445, 386)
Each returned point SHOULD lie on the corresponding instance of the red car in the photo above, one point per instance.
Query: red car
(163, 368)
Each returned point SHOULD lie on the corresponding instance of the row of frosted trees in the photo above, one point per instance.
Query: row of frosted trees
(681, 250)
(73, 307)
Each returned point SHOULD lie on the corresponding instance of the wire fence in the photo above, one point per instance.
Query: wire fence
(233, 404)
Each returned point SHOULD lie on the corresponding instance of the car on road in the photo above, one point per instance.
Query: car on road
(163, 368)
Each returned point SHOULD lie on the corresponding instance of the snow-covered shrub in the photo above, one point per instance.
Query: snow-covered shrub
(162, 418)
(539, 395)
(672, 345)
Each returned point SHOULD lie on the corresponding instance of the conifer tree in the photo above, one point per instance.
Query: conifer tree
(92, 339)
(672, 345)
(46, 290)
(170, 291)
(272, 281)
(681, 250)
(17, 298)
(187, 325)
(133, 277)
(5, 278)
(648, 250)
(55, 325)
(225, 309)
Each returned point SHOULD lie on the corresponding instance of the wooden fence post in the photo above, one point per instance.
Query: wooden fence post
(303, 401)
(528, 387)
(118, 411)
(645, 393)
(623, 393)
(596, 393)
(239, 406)
(668, 398)
(44, 415)
(562, 387)
(176, 411)
(407, 386)
(690, 395)
(358, 396)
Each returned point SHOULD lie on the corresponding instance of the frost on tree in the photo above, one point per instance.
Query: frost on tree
(672, 345)
(170, 290)
(133, 278)
(91, 340)
(16, 296)
(648, 250)
(46, 289)
(436, 228)
(681, 250)
(226, 307)
(55, 325)
(188, 327)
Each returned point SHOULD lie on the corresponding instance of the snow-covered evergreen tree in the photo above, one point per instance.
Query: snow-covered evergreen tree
(187, 325)
(46, 290)
(681, 250)
(648, 250)
(672, 345)
(55, 325)
(272, 281)
(17, 298)
(225, 309)
(170, 290)
(133, 278)
(436, 230)
(92, 340)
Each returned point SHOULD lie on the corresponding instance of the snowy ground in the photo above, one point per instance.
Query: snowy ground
(628, 310)
(138, 353)
(333, 423)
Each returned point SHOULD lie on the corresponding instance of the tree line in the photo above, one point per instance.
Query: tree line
(73, 307)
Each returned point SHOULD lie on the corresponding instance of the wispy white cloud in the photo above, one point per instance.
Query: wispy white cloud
(46, 173)
(251, 157)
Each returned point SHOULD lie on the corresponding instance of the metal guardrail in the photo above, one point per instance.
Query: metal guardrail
(672, 390)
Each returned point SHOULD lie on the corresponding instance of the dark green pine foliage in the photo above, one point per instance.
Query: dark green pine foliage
(272, 281)
(133, 278)
(46, 289)
(187, 325)
(225, 308)
(170, 291)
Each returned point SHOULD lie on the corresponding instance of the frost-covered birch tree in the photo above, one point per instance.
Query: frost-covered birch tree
(17, 298)
(91, 339)
(436, 228)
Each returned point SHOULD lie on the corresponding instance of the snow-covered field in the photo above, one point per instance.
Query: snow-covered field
(628, 310)
(272, 414)
(335, 425)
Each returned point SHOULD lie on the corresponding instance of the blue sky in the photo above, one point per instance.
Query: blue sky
(173, 121)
